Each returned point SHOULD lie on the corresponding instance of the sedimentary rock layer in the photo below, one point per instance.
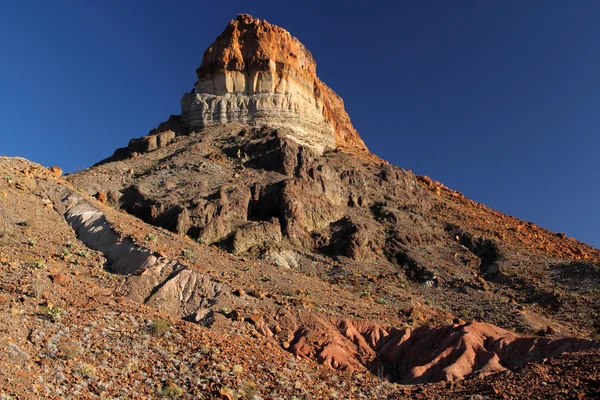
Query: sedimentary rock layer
(257, 73)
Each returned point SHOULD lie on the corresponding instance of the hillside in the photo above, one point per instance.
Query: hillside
(253, 247)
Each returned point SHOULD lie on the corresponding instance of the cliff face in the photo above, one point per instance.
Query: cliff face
(257, 73)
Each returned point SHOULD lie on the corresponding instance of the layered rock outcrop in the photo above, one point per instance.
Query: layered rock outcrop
(257, 73)
(426, 354)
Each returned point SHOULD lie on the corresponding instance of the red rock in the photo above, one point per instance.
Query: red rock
(55, 171)
(60, 278)
(101, 197)
(425, 180)
(255, 318)
(253, 58)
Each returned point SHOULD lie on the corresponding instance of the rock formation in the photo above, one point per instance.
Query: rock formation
(329, 256)
(257, 73)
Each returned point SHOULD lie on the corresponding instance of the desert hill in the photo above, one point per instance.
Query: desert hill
(252, 247)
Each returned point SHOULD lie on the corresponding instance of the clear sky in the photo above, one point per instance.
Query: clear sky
(497, 99)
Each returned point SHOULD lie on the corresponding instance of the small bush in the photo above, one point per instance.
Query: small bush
(151, 237)
(86, 370)
(70, 349)
(39, 264)
(65, 254)
(53, 312)
(159, 327)
(83, 253)
(237, 369)
(250, 391)
(171, 391)
(38, 288)
(188, 254)
(16, 310)
(31, 242)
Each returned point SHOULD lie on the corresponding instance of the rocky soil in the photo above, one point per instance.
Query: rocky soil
(77, 323)
(70, 328)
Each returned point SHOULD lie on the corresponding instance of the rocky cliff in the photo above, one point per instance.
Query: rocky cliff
(257, 73)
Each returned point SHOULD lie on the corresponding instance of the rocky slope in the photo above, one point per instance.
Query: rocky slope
(91, 299)
(253, 248)
(390, 236)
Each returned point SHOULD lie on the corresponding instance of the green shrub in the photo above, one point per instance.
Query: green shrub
(159, 327)
(171, 391)
(86, 370)
(65, 254)
(53, 312)
(83, 253)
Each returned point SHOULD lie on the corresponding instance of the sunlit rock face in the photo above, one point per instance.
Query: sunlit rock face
(258, 74)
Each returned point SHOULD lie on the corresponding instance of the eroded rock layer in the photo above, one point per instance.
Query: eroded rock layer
(257, 73)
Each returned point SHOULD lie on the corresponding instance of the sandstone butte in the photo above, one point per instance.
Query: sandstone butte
(257, 73)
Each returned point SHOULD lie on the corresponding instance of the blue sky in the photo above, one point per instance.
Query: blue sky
(497, 99)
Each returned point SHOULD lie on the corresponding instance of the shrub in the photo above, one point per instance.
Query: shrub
(159, 327)
(83, 253)
(53, 312)
(70, 349)
(188, 254)
(171, 391)
(151, 237)
(38, 288)
(39, 264)
(31, 242)
(237, 369)
(86, 370)
(16, 310)
(65, 254)
(250, 392)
